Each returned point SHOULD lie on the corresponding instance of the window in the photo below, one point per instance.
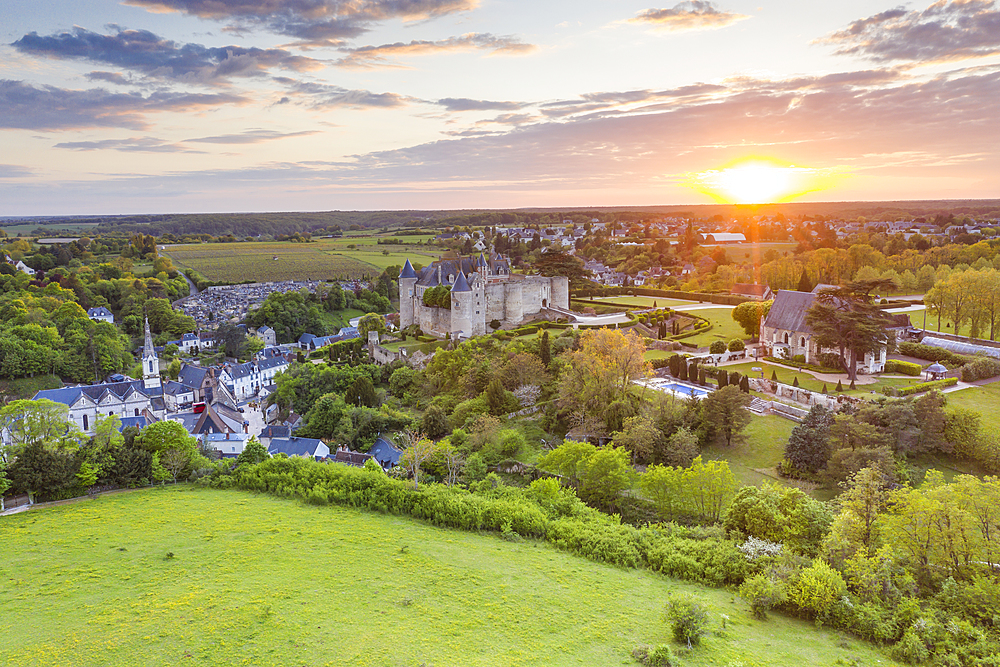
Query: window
(802, 341)
(86, 423)
(137, 412)
(786, 338)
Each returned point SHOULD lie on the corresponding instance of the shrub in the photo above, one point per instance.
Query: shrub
(717, 347)
(910, 649)
(687, 617)
(925, 386)
(818, 588)
(763, 593)
(980, 369)
(931, 353)
(903, 367)
(737, 345)
(661, 656)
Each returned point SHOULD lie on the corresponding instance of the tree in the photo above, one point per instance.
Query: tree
(173, 448)
(750, 314)
(253, 453)
(361, 393)
(43, 473)
(420, 450)
(554, 263)
(807, 448)
(717, 347)
(371, 322)
(681, 448)
(725, 411)
(602, 371)
(847, 319)
(639, 435)
(605, 475)
(762, 593)
(567, 460)
(434, 422)
(43, 421)
(545, 350)
(737, 345)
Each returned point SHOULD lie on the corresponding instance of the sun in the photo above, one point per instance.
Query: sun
(761, 181)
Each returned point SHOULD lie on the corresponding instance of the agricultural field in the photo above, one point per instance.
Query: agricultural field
(327, 259)
(169, 575)
(28, 228)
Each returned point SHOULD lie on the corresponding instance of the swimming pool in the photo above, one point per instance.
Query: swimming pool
(679, 389)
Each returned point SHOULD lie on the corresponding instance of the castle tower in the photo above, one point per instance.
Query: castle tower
(407, 284)
(150, 363)
(461, 305)
(560, 292)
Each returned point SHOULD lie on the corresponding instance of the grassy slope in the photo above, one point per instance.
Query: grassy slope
(764, 448)
(983, 400)
(724, 327)
(263, 581)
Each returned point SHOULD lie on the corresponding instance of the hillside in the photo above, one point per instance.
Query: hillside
(263, 581)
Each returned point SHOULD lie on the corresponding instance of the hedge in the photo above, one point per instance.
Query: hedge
(903, 367)
(931, 353)
(924, 386)
(980, 369)
(724, 299)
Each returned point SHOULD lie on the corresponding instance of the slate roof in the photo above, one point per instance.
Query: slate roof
(192, 376)
(748, 289)
(407, 271)
(349, 332)
(305, 338)
(69, 395)
(788, 311)
(294, 446)
(100, 311)
(189, 336)
(461, 284)
(271, 362)
(356, 459)
(276, 431)
(385, 452)
(209, 422)
(139, 422)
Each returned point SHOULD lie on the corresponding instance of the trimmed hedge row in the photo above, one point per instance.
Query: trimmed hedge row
(980, 369)
(931, 353)
(924, 386)
(903, 367)
(724, 299)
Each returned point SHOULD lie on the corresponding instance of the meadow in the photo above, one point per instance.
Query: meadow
(741, 252)
(325, 259)
(947, 326)
(162, 576)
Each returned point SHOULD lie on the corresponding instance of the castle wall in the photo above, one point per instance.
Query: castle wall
(513, 300)
(495, 302)
(560, 292)
(535, 290)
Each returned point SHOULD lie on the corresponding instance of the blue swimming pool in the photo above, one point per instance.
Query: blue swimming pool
(682, 389)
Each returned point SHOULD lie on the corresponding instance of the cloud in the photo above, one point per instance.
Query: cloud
(942, 32)
(131, 145)
(25, 106)
(250, 137)
(116, 78)
(690, 15)
(383, 56)
(465, 104)
(312, 22)
(156, 57)
(325, 95)
(14, 171)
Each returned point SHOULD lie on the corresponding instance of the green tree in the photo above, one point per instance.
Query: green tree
(749, 315)
(817, 589)
(434, 422)
(361, 392)
(371, 322)
(847, 319)
(687, 617)
(567, 460)
(808, 445)
(717, 347)
(725, 411)
(414, 456)
(545, 350)
(43, 422)
(496, 397)
(763, 593)
(605, 475)
(253, 453)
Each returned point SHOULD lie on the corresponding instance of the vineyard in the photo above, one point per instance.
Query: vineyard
(265, 262)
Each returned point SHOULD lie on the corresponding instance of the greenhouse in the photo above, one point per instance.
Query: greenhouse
(961, 347)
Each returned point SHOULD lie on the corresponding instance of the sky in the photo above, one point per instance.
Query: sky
(172, 106)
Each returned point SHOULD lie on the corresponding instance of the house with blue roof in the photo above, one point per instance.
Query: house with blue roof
(101, 314)
(386, 453)
(302, 447)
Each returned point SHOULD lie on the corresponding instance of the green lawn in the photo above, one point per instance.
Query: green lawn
(339, 319)
(724, 327)
(258, 580)
(985, 400)
(807, 381)
(645, 301)
(947, 326)
(742, 252)
(764, 448)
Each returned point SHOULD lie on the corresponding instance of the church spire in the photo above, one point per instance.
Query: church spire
(147, 348)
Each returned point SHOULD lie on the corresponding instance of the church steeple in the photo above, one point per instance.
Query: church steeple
(150, 362)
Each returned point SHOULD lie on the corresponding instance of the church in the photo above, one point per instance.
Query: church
(482, 291)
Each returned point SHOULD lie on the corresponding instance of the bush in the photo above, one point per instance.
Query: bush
(980, 369)
(717, 347)
(910, 649)
(903, 367)
(925, 386)
(687, 617)
(818, 588)
(737, 345)
(931, 353)
(763, 593)
(661, 656)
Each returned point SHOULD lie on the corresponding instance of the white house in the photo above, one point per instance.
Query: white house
(101, 314)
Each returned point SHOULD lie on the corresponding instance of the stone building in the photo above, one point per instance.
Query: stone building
(482, 290)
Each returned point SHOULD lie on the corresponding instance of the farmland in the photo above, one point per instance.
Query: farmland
(266, 581)
(327, 259)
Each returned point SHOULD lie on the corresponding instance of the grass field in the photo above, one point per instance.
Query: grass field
(764, 448)
(807, 381)
(257, 580)
(742, 252)
(947, 326)
(985, 400)
(326, 259)
(724, 327)
(645, 301)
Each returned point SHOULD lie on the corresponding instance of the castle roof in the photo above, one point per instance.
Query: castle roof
(461, 284)
(788, 311)
(407, 271)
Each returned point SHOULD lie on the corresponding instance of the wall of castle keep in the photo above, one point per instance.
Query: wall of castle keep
(509, 301)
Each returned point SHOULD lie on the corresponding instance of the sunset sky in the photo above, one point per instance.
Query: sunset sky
(276, 105)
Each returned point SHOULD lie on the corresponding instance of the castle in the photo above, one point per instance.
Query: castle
(482, 290)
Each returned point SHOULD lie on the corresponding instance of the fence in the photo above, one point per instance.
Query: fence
(10, 502)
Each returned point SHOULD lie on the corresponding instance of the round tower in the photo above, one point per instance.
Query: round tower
(513, 299)
(560, 292)
(462, 299)
(407, 285)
